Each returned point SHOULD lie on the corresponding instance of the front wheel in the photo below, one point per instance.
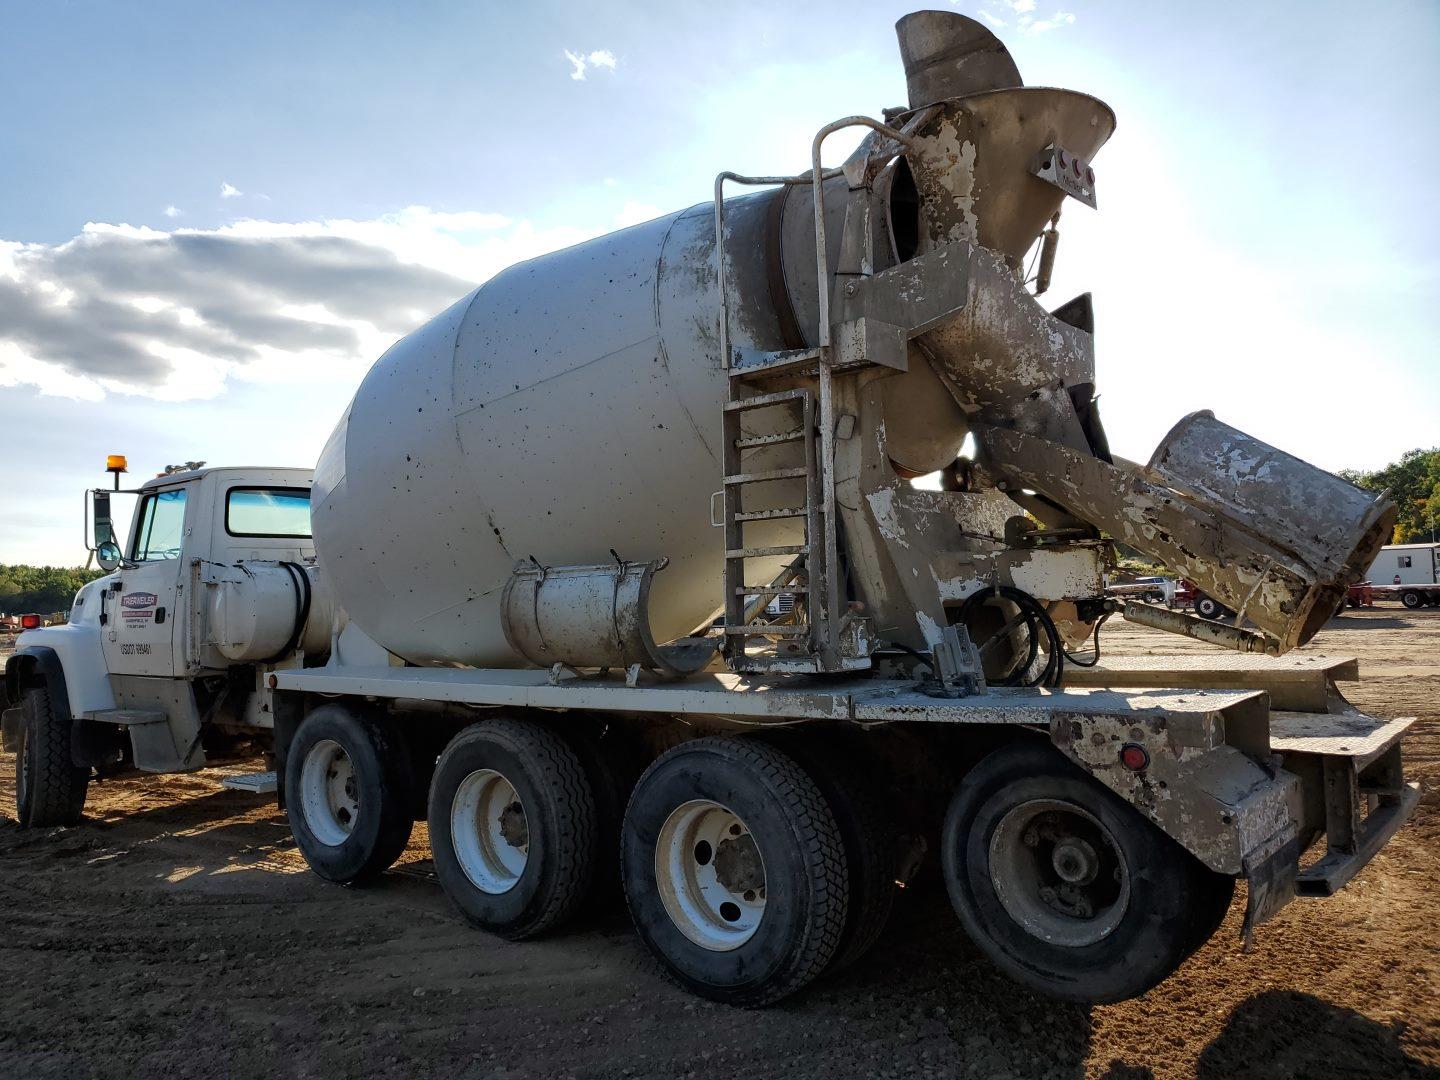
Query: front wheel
(49, 788)
(1065, 886)
(348, 794)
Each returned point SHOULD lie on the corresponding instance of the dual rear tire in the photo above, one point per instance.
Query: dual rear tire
(735, 870)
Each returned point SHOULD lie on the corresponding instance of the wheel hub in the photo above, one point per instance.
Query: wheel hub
(1075, 861)
(737, 865)
(710, 874)
(1058, 872)
(329, 793)
(490, 831)
(514, 829)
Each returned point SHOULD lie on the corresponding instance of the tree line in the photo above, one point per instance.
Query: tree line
(1414, 484)
(42, 590)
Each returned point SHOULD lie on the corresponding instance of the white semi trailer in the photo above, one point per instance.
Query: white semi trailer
(548, 528)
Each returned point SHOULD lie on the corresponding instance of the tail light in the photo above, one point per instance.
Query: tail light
(29, 622)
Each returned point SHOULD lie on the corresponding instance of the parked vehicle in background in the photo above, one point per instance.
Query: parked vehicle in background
(1406, 564)
(1153, 590)
(1409, 573)
(1163, 591)
(1187, 594)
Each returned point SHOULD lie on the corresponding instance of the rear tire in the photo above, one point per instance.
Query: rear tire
(348, 795)
(612, 765)
(1412, 599)
(514, 827)
(872, 839)
(1134, 906)
(734, 870)
(49, 787)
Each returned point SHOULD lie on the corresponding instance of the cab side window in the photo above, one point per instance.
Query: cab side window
(162, 526)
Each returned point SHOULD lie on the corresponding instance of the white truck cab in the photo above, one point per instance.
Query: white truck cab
(215, 577)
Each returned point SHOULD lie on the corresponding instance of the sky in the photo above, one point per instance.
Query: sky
(214, 217)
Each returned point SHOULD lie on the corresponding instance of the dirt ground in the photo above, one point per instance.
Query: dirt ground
(177, 933)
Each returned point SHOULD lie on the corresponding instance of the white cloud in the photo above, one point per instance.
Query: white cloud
(999, 13)
(582, 62)
(1054, 22)
(229, 191)
(173, 211)
(175, 315)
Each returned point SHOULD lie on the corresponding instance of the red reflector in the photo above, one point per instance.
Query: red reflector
(1075, 164)
(29, 622)
(1134, 757)
(1060, 157)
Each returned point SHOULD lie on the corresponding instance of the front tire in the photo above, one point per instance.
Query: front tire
(348, 795)
(49, 787)
(514, 827)
(1065, 886)
(734, 870)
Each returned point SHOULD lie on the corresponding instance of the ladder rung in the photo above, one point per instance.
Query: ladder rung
(763, 401)
(771, 590)
(772, 515)
(758, 629)
(765, 552)
(762, 477)
(776, 364)
(749, 442)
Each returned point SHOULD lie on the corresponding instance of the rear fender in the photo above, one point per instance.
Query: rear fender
(1217, 801)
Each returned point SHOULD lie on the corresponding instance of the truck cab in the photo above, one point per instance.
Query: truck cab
(148, 657)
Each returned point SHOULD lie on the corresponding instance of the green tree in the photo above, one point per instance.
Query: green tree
(1414, 484)
(40, 589)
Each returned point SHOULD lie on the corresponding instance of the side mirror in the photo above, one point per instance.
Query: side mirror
(108, 555)
(107, 551)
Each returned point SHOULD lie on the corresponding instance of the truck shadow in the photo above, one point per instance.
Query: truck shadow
(1384, 622)
(1285, 1033)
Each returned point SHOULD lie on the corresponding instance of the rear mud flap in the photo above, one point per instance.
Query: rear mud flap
(1270, 870)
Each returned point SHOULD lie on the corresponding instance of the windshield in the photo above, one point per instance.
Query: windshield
(280, 512)
(162, 526)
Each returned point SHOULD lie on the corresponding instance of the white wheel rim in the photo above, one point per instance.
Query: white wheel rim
(490, 831)
(329, 793)
(1059, 873)
(710, 875)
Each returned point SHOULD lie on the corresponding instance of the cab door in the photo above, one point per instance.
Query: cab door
(141, 608)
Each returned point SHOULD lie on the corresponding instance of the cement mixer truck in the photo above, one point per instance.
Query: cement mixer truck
(537, 608)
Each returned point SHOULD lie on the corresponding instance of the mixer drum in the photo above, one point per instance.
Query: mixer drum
(569, 406)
